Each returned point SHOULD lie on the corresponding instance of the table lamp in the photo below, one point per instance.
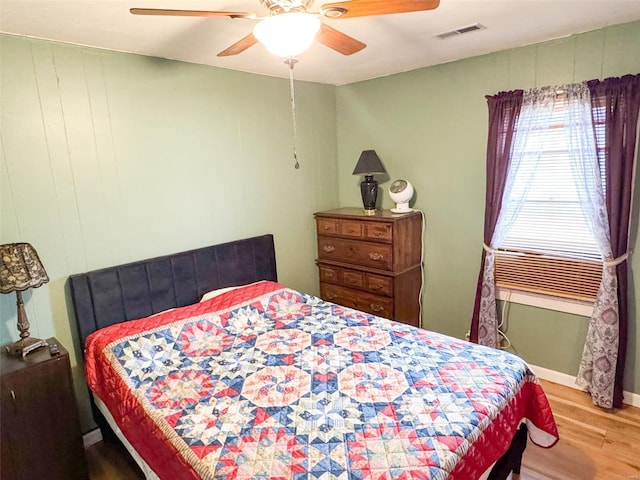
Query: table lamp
(369, 164)
(20, 269)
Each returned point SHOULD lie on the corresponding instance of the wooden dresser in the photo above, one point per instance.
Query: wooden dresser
(40, 432)
(371, 263)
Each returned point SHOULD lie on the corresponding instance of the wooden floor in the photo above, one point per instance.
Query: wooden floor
(594, 444)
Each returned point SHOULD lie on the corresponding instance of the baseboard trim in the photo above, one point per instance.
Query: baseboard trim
(91, 438)
(629, 398)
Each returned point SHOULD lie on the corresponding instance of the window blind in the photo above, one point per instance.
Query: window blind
(550, 248)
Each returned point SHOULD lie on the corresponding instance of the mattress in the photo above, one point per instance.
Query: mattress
(267, 382)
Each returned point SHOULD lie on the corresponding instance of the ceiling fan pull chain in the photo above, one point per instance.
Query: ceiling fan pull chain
(291, 62)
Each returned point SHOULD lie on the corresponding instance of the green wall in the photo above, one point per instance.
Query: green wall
(430, 126)
(108, 158)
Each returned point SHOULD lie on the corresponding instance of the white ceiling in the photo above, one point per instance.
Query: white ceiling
(395, 43)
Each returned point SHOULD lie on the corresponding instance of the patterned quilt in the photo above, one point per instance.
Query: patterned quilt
(268, 383)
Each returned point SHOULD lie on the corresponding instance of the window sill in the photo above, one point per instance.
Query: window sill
(544, 301)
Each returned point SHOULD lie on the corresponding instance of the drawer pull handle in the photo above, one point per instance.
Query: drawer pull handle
(376, 287)
(331, 296)
(328, 274)
(13, 401)
(375, 256)
(328, 248)
(351, 281)
(376, 308)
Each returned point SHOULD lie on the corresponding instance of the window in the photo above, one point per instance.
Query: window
(549, 248)
(553, 152)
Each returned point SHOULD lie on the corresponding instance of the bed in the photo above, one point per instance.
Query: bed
(260, 381)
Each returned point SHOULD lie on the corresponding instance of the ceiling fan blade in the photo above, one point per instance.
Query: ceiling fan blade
(189, 13)
(240, 46)
(367, 8)
(338, 41)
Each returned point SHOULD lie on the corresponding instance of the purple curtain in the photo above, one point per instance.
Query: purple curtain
(504, 109)
(615, 102)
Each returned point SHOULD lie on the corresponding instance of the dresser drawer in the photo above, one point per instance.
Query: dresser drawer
(327, 226)
(351, 228)
(376, 231)
(359, 300)
(368, 254)
(330, 274)
(353, 278)
(378, 284)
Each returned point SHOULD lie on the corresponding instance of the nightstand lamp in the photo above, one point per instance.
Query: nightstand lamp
(20, 269)
(369, 164)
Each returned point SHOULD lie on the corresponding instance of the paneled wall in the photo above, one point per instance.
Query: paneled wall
(430, 126)
(109, 157)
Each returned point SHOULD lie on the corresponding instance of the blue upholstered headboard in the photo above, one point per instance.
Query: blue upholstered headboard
(134, 290)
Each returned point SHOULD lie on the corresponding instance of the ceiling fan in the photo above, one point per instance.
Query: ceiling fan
(289, 27)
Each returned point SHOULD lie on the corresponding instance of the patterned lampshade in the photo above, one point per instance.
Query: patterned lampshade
(20, 268)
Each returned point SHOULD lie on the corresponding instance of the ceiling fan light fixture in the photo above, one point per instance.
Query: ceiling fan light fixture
(287, 34)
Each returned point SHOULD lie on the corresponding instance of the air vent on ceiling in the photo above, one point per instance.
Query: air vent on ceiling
(461, 30)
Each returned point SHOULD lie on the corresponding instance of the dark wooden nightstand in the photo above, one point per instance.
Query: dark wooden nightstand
(371, 262)
(40, 433)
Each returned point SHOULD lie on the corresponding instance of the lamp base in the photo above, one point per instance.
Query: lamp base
(369, 191)
(370, 213)
(24, 346)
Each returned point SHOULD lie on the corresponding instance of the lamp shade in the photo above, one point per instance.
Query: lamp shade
(287, 34)
(20, 268)
(368, 164)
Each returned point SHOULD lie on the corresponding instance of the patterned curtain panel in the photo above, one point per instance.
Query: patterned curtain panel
(504, 109)
(597, 368)
(615, 103)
